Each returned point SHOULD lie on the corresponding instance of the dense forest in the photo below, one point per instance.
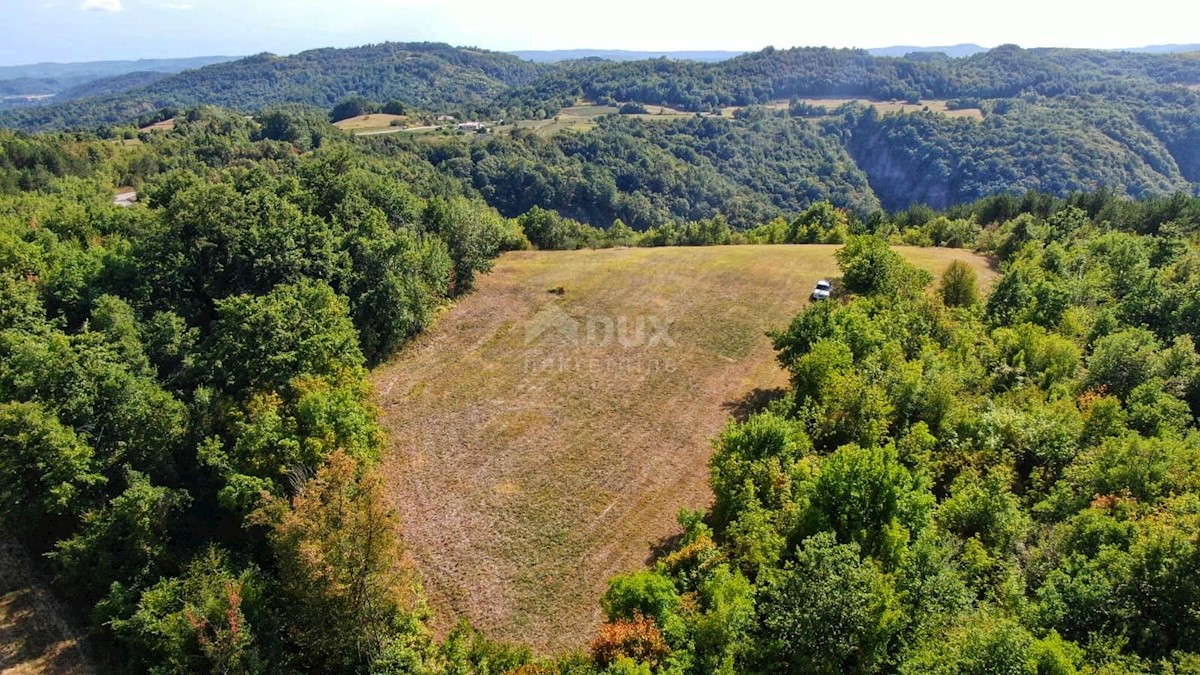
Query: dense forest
(648, 174)
(951, 483)
(428, 75)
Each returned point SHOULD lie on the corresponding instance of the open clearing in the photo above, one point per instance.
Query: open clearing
(165, 125)
(540, 445)
(577, 117)
(583, 116)
(374, 122)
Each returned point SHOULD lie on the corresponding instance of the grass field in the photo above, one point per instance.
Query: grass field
(165, 125)
(375, 122)
(577, 118)
(541, 444)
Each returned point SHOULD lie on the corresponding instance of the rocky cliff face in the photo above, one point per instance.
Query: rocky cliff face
(926, 158)
(897, 183)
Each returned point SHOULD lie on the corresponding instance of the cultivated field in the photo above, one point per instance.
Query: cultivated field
(542, 444)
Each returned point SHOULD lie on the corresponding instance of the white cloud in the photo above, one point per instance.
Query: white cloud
(102, 5)
(178, 5)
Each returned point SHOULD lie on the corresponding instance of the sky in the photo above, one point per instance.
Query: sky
(88, 30)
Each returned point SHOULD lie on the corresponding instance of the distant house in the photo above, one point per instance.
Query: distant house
(445, 118)
(471, 126)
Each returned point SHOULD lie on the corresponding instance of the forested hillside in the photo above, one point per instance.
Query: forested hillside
(957, 484)
(420, 74)
(772, 74)
(1052, 120)
(186, 437)
(646, 174)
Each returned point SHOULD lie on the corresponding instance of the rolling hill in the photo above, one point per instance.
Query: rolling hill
(543, 442)
(427, 75)
(782, 128)
(19, 83)
(555, 55)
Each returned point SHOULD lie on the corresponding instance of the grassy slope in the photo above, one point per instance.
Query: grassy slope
(529, 472)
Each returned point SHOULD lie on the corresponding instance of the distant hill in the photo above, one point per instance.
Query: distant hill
(30, 85)
(110, 85)
(1165, 49)
(426, 75)
(969, 49)
(556, 55)
(98, 69)
(952, 50)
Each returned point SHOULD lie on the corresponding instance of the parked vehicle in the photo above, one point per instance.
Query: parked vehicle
(821, 292)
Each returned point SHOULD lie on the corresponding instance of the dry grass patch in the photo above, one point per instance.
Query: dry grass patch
(165, 125)
(35, 634)
(374, 122)
(937, 106)
(533, 458)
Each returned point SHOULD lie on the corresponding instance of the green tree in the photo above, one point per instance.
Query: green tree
(959, 286)
(640, 594)
(122, 547)
(828, 612)
(982, 646)
(399, 279)
(865, 496)
(199, 621)
(341, 573)
(870, 267)
(355, 106)
(262, 343)
(473, 233)
(1010, 299)
(47, 473)
(1122, 361)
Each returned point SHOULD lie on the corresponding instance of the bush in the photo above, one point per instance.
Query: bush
(959, 287)
(870, 267)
